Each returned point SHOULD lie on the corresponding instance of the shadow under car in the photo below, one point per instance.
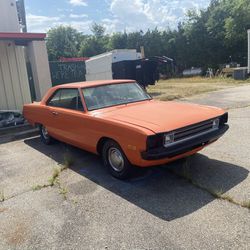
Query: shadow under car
(156, 190)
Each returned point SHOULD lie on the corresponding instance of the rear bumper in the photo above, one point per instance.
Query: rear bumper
(184, 146)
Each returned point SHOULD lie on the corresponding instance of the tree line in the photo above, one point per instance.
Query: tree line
(208, 38)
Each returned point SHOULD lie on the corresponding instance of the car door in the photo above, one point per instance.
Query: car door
(67, 116)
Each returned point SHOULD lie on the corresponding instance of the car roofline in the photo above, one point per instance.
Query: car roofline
(80, 85)
(93, 83)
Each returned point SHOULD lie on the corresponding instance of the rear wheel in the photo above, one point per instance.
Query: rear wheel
(115, 160)
(45, 137)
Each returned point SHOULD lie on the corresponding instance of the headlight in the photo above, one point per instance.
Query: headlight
(168, 138)
(216, 123)
(154, 141)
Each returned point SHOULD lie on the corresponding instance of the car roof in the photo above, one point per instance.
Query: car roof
(93, 83)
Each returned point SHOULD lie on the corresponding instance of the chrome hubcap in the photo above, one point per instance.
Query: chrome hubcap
(115, 159)
(45, 133)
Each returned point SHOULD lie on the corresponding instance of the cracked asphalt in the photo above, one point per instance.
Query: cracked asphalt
(157, 209)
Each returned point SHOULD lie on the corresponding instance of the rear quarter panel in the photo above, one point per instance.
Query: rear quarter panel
(33, 113)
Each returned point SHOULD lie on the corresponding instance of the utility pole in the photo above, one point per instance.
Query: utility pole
(248, 57)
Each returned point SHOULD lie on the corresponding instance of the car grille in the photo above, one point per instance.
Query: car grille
(200, 128)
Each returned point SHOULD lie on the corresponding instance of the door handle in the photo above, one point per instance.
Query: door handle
(54, 113)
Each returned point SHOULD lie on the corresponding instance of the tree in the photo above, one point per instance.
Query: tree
(152, 42)
(94, 44)
(91, 46)
(135, 40)
(118, 41)
(207, 38)
(98, 30)
(63, 41)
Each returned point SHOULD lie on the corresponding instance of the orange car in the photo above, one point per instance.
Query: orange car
(120, 121)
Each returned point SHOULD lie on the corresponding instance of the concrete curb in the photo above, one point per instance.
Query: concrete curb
(18, 135)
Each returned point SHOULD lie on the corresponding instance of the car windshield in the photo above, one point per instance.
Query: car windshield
(113, 94)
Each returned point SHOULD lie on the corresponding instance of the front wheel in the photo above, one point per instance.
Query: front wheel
(115, 160)
(45, 137)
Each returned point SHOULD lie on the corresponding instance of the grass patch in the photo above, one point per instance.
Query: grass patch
(177, 88)
(227, 197)
(2, 198)
(51, 181)
(75, 201)
(54, 180)
(39, 187)
(218, 194)
(63, 191)
(68, 161)
(246, 204)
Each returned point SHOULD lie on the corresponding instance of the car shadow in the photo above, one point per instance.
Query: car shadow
(157, 190)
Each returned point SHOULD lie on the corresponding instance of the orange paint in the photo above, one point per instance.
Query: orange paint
(129, 125)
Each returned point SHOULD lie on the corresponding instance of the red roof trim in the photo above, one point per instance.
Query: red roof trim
(22, 36)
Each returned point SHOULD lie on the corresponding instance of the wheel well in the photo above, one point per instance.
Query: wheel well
(100, 144)
(37, 125)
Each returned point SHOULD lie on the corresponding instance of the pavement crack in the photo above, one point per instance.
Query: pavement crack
(52, 181)
(3, 199)
(185, 174)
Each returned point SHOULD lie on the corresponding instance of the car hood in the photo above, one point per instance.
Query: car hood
(159, 116)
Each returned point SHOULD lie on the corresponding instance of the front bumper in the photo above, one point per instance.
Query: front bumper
(183, 147)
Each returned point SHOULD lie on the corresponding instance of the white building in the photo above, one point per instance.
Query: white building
(16, 49)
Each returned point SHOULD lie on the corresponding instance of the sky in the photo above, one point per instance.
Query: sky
(114, 15)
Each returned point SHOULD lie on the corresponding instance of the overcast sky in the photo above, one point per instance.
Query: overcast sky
(115, 15)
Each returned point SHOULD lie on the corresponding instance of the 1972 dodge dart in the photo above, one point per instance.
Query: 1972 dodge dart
(120, 121)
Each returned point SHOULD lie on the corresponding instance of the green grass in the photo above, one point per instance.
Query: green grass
(63, 191)
(2, 198)
(216, 193)
(246, 204)
(68, 161)
(54, 180)
(184, 87)
(38, 187)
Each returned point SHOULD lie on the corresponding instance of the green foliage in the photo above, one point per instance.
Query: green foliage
(92, 46)
(206, 39)
(118, 41)
(63, 41)
(98, 30)
(96, 43)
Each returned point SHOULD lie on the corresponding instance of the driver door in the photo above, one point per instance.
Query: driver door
(67, 116)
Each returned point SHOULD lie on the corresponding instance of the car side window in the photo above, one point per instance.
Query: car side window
(66, 98)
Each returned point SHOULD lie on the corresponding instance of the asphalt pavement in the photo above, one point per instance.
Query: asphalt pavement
(165, 207)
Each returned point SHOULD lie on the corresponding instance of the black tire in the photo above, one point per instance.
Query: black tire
(124, 170)
(45, 137)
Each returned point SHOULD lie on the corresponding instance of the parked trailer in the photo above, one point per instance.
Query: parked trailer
(125, 64)
(100, 67)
